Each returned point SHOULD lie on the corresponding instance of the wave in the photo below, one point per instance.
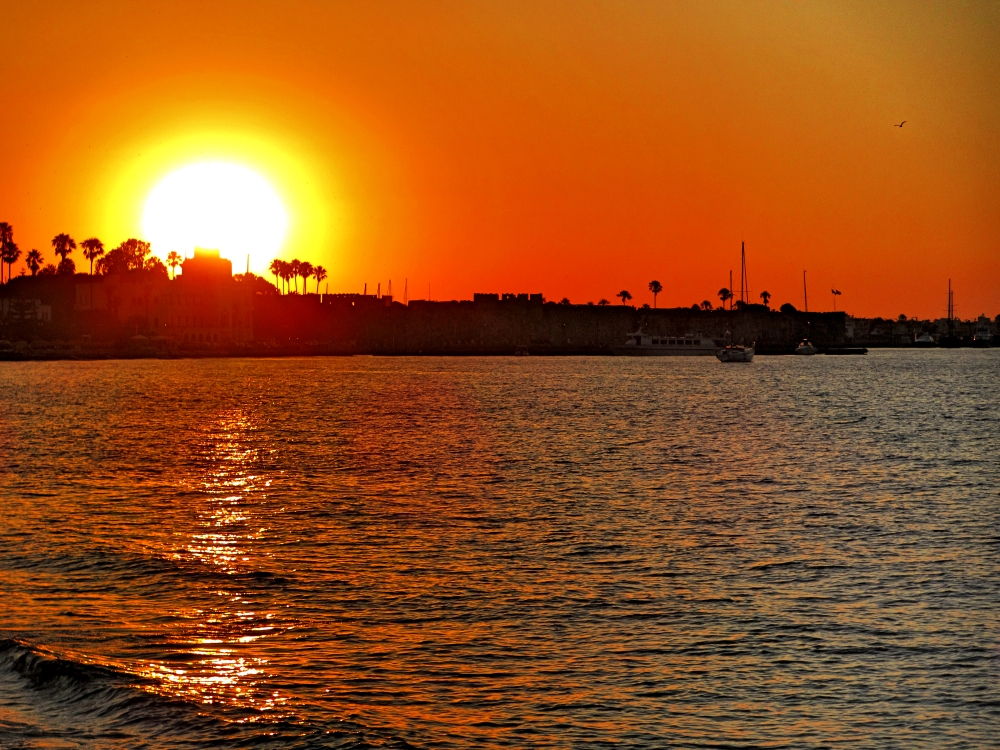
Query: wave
(51, 700)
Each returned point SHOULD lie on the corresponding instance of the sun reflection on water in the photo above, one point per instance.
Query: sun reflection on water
(213, 659)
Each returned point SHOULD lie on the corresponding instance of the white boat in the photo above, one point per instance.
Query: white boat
(735, 353)
(925, 339)
(641, 344)
(806, 347)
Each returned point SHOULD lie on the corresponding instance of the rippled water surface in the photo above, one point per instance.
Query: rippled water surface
(525, 552)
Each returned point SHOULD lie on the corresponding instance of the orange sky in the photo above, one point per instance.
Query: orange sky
(571, 148)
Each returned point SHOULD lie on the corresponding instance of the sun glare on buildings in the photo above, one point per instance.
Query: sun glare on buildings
(216, 205)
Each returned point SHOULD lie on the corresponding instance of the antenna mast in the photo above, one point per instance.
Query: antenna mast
(805, 290)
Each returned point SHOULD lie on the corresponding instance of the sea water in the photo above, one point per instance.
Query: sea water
(501, 552)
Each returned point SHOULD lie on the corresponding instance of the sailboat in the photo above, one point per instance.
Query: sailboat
(738, 352)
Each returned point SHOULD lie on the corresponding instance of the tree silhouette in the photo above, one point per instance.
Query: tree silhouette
(10, 254)
(706, 305)
(625, 296)
(6, 237)
(63, 245)
(306, 272)
(174, 259)
(765, 297)
(655, 287)
(275, 268)
(49, 270)
(725, 295)
(128, 256)
(788, 307)
(155, 265)
(285, 272)
(565, 301)
(93, 248)
(293, 271)
(33, 260)
(66, 267)
(603, 303)
(319, 273)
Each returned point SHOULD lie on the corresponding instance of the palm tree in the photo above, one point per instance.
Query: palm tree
(625, 296)
(92, 250)
(6, 236)
(766, 297)
(655, 287)
(706, 305)
(10, 254)
(63, 245)
(725, 295)
(174, 259)
(319, 273)
(34, 260)
(306, 272)
(275, 268)
(285, 273)
(293, 272)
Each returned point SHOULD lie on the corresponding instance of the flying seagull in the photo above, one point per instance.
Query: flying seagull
(900, 124)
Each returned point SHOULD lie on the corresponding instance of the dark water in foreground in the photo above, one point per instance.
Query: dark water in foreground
(459, 553)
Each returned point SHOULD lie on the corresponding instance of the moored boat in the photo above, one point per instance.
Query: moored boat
(735, 353)
(806, 347)
(641, 344)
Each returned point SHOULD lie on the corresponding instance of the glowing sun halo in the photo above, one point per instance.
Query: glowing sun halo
(216, 205)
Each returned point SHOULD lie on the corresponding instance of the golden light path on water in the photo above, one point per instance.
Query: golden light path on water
(500, 552)
(228, 529)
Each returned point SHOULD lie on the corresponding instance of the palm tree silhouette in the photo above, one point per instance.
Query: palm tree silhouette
(319, 273)
(63, 245)
(174, 259)
(6, 236)
(293, 272)
(286, 273)
(10, 254)
(275, 268)
(655, 287)
(33, 260)
(725, 295)
(625, 296)
(706, 305)
(306, 272)
(92, 250)
(766, 297)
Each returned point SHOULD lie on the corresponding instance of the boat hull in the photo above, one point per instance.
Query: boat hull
(733, 354)
(635, 351)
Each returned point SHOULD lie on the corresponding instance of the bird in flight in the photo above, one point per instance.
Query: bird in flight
(900, 124)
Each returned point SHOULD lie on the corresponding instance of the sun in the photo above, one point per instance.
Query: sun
(216, 205)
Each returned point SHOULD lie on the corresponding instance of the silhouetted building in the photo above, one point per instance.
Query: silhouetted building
(203, 304)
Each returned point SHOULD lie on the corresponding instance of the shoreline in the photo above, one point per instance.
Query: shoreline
(95, 354)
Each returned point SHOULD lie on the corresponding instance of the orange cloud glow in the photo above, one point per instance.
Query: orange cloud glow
(575, 149)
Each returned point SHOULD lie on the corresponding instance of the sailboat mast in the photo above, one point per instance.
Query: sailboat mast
(743, 270)
(951, 306)
(805, 291)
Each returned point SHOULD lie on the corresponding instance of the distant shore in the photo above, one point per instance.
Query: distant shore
(267, 350)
